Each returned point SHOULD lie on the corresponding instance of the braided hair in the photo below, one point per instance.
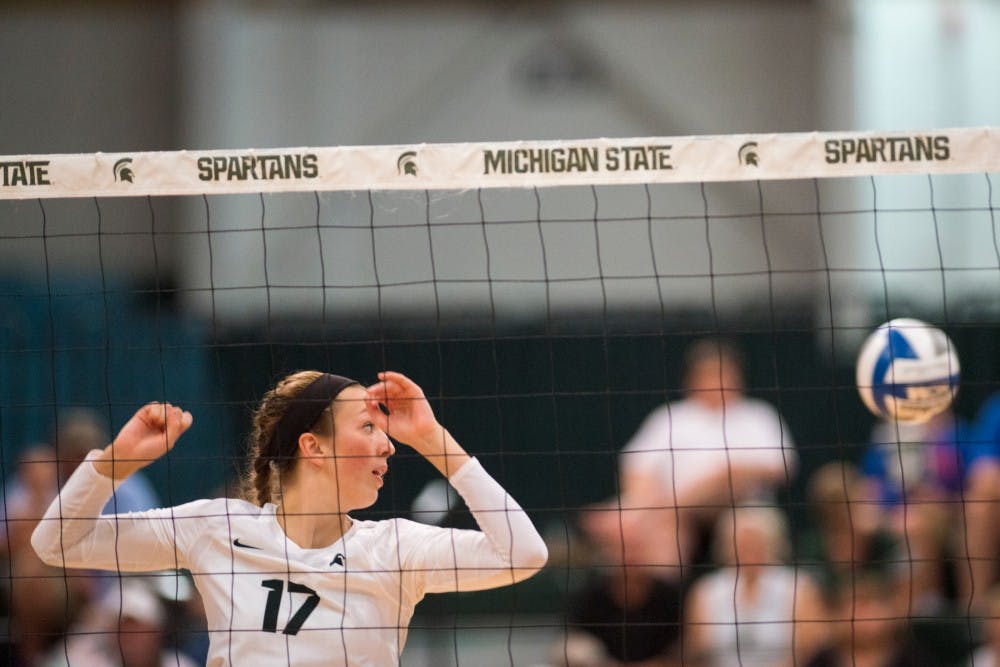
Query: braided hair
(267, 462)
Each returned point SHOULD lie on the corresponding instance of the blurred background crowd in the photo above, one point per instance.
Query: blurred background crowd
(702, 557)
(707, 501)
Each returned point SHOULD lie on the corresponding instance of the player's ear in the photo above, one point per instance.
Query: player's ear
(311, 449)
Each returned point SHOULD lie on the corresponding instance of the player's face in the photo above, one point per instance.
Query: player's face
(360, 451)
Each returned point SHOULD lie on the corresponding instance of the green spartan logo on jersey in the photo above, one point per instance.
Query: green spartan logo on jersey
(407, 164)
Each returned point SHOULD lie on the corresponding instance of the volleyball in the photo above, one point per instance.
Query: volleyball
(907, 371)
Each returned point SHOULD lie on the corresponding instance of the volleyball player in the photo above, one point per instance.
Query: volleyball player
(291, 578)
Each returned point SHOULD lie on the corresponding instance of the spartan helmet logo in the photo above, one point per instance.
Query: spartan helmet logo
(123, 170)
(748, 154)
(407, 164)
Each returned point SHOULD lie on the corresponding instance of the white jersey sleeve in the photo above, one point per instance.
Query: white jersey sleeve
(507, 548)
(73, 533)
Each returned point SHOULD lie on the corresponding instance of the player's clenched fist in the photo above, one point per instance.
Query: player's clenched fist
(148, 435)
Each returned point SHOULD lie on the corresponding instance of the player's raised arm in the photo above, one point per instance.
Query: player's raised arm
(151, 432)
(506, 549)
(74, 534)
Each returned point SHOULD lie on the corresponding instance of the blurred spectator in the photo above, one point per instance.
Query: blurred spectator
(37, 476)
(80, 431)
(618, 614)
(191, 625)
(988, 655)
(689, 460)
(933, 478)
(868, 627)
(848, 534)
(43, 600)
(126, 628)
(982, 508)
(753, 611)
(622, 616)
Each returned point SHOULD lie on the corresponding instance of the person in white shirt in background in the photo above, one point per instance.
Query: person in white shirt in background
(690, 460)
(291, 577)
(754, 611)
(127, 628)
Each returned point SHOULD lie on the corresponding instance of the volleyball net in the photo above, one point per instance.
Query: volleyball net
(542, 293)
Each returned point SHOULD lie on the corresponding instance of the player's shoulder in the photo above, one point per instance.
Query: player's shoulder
(217, 509)
(410, 527)
(391, 539)
(394, 528)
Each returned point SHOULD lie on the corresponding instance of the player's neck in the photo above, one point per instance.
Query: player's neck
(307, 519)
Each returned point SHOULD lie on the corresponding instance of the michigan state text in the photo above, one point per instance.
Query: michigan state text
(577, 159)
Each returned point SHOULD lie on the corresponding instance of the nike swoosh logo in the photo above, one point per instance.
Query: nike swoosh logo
(237, 543)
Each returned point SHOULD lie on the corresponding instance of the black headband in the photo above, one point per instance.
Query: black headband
(305, 409)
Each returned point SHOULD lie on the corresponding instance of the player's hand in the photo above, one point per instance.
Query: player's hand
(411, 419)
(149, 434)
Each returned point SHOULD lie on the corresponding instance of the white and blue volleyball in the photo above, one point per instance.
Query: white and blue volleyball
(907, 371)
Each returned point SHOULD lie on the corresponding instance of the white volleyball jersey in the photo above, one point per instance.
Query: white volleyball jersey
(269, 601)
